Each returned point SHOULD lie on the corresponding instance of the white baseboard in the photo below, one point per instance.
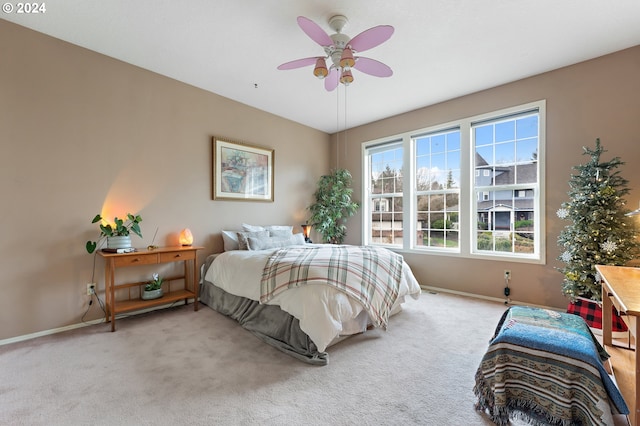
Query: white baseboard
(82, 324)
(48, 332)
(478, 296)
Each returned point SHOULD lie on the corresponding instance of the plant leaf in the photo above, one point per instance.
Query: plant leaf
(91, 246)
(136, 228)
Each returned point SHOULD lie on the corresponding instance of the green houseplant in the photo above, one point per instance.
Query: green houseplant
(333, 206)
(153, 289)
(120, 228)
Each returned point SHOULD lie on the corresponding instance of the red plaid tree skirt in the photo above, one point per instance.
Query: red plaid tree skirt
(591, 312)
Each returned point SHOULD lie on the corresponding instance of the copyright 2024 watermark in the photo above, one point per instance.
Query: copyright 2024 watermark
(24, 8)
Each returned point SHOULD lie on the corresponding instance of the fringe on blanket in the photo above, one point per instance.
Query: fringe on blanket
(524, 410)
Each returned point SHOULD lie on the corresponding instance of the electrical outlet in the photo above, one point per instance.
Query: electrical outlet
(91, 288)
(507, 274)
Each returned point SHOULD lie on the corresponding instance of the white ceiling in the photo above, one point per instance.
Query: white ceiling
(441, 49)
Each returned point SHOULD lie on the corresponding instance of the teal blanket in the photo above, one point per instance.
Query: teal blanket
(546, 366)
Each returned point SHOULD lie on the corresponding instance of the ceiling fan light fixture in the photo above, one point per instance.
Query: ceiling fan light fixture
(320, 70)
(339, 48)
(346, 78)
(346, 60)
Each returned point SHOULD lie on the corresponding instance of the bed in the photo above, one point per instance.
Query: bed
(547, 368)
(268, 280)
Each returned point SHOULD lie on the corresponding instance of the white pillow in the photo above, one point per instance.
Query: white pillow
(282, 233)
(279, 229)
(252, 228)
(297, 239)
(272, 228)
(242, 238)
(230, 240)
(263, 243)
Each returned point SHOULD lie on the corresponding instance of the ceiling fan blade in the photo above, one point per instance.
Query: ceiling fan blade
(331, 81)
(314, 31)
(371, 38)
(373, 67)
(298, 63)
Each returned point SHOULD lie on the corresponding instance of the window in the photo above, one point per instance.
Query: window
(384, 174)
(508, 148)
(472, 187)
(437, 188)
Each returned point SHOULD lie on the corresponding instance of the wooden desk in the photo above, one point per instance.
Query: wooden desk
(186, 254)
(621, 287)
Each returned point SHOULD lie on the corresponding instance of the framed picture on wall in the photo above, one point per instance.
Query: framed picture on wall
(241, 171)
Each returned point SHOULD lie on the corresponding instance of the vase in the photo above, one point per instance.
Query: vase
(151, 294)
(117, 242)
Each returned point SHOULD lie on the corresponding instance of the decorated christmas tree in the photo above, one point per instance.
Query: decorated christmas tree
(600, 233)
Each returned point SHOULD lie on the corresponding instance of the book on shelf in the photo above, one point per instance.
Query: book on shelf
(119, 250)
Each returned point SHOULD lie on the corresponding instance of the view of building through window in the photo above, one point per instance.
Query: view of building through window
(437, 184)
(386, 167)
(506, 183)
(418, 187)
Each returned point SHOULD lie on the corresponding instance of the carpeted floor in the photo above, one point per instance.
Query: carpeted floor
(178, 366)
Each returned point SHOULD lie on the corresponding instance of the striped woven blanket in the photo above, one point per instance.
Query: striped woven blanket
(371, 275)
(546, 366)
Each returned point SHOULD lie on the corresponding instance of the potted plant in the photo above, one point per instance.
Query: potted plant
(153, 289)
(599, 233)
(333, 206)
(117, 235)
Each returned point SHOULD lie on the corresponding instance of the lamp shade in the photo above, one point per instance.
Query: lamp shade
(320, 70)
(186, 237)
(306, 231)
(346, 78)
(346, 60)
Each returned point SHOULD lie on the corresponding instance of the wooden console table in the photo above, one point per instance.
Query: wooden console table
(113, 261)
(621, 288)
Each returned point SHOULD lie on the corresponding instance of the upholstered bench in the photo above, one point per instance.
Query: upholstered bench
(546, 367)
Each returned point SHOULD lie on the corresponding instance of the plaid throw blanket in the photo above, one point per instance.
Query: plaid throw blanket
(371, 275)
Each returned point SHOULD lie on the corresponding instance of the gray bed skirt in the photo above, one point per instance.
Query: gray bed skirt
(268, 322)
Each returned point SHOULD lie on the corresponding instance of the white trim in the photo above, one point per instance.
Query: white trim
(435, 290)
(478, 296)
(83, 324)
(48, 332)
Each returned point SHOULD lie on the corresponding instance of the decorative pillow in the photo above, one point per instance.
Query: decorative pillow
(252, 228)
(230, 240)
(297, 239)
(282, 233)
(271, 228)
(242, 238)
(274, 242)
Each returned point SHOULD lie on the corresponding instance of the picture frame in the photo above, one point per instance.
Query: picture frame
(241, 172)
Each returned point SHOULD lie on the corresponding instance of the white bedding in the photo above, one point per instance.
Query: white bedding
(324, 313)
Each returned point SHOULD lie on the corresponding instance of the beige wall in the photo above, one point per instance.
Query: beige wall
(79, 130)
(598, 98)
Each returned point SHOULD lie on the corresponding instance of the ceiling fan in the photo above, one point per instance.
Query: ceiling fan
(341, 49)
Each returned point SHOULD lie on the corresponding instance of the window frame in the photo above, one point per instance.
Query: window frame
(389, 144)
(433, 192)
(467, 208)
